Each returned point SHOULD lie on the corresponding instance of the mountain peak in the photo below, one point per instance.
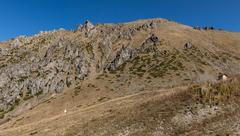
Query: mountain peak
(87, 26)
(96, 72)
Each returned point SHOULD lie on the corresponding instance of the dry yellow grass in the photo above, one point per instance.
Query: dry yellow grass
(144, 113)
(131, 100)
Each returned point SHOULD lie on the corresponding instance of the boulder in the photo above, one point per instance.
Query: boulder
(86, 27)
(188, 45)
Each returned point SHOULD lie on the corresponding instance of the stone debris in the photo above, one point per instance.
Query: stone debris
(188, 45)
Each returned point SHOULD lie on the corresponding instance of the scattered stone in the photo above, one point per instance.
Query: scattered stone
(33, 133)
(197, 28)
(208, 28)
(222, 77)
(188, 45)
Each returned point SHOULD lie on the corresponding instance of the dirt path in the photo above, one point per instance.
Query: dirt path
(91, 110)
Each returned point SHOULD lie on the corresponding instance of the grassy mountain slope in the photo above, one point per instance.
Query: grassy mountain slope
(151, 77)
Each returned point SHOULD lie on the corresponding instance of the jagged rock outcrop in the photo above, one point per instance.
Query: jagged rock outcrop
(54, 66)
(123, 55)
(149, 43)
(87, 28)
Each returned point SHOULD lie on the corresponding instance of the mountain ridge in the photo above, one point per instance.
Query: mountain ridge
(110, 61)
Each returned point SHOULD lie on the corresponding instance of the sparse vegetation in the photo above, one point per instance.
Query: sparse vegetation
(2, 113)
(22, 79)
(76, 92)
(214, 94)
(123, 79)
(3, 65)
(27, 96)
(39, 93)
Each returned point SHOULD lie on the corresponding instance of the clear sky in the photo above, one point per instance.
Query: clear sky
(27, 17)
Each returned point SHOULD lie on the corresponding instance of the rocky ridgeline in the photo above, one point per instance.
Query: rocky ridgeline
(50, 62)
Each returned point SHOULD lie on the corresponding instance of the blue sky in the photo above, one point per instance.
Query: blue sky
(27, 17)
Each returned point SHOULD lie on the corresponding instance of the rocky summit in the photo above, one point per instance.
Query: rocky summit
(148, 77)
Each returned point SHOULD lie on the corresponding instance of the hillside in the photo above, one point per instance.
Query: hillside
(152, 77)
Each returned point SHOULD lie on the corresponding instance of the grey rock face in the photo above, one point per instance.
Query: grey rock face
(51, 61)
(126, 53)
(149, 43)
(3, 51)
(43, 68)
(87, 28)
(122, 56)
(4, 79)
(88, 25)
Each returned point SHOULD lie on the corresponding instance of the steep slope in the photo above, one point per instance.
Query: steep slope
(196, 110)
(97, 63)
